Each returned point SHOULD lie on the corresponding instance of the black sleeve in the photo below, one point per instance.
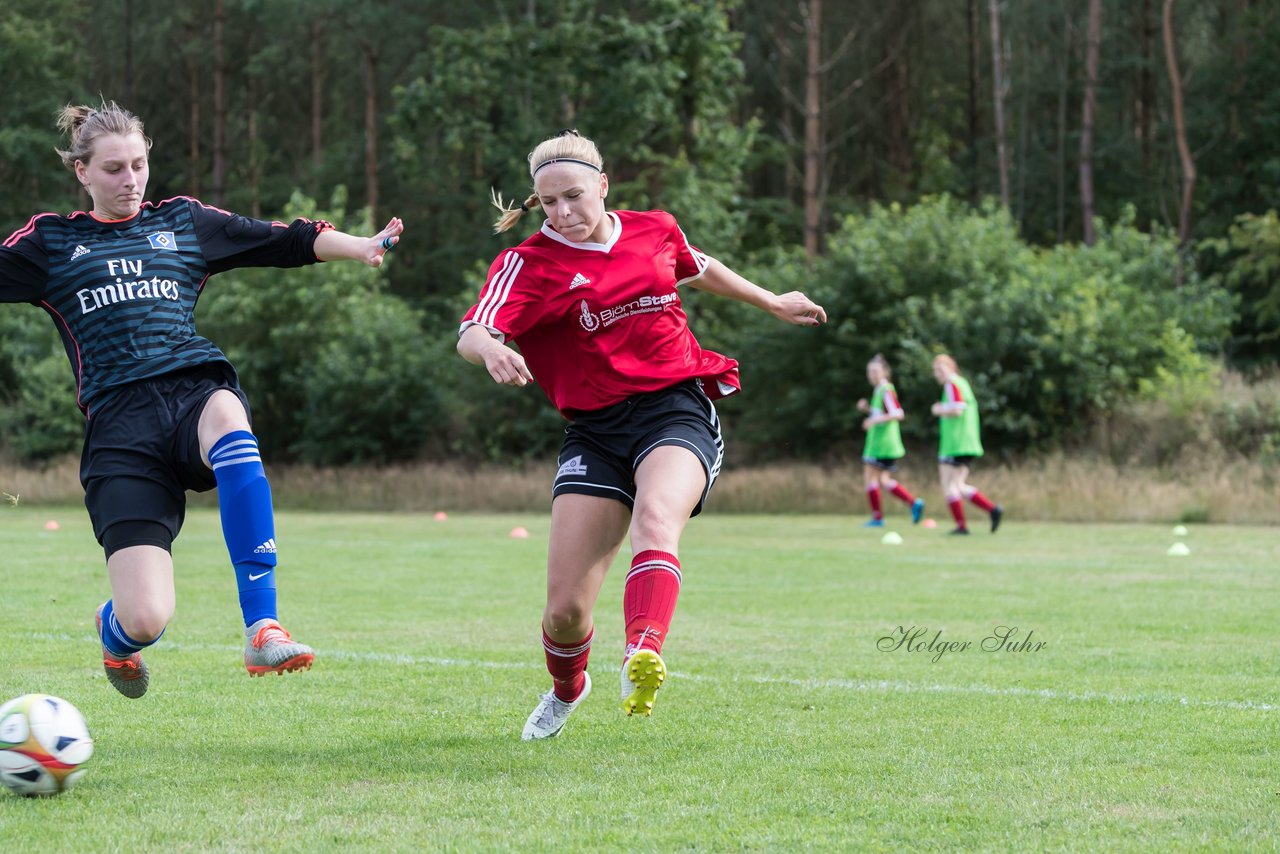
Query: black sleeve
(229, 240)
(24, 266)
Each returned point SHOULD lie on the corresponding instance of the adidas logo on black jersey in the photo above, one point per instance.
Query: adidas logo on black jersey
(80, 250)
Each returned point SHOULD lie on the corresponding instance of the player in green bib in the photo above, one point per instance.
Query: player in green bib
(959, 444)
(883, 447)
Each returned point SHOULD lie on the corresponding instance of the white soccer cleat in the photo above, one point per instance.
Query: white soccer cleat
(642, 675)
(549, 717)
(627, 686)
(268, 648)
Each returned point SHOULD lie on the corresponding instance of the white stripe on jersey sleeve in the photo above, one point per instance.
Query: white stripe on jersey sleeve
(499, 290)
(700, 259)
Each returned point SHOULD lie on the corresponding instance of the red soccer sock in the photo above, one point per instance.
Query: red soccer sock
(567, 663)
(982, 501)
(873, 497)
(900, 492)
(649, 599)
(957, 510)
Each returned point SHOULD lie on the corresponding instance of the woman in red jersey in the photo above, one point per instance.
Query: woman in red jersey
(593, 301)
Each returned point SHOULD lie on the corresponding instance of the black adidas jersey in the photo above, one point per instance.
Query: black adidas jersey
(123, 293)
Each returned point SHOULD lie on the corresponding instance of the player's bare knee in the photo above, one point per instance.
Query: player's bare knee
(223, 413)
(143, 623)
(566, 617)
(654, 527)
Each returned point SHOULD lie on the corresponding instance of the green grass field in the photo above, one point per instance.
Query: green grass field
(1148, 720)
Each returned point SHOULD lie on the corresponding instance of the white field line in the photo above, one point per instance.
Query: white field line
(880, 686)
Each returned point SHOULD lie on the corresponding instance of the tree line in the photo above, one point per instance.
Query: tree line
(782, 135)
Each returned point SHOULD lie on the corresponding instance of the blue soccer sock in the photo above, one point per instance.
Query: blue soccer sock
(115, 640)
(248, 524)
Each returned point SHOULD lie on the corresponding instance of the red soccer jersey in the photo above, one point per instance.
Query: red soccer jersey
(599, 322)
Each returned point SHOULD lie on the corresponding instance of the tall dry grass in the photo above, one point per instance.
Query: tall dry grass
(58, 483)
(1057, 488)
(1054, 488)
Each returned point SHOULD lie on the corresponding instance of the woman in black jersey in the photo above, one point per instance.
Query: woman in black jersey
(164, 412)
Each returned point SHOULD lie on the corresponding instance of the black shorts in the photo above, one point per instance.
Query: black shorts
(958, 462)
(142, 450)
(882, 463)
(602, 449)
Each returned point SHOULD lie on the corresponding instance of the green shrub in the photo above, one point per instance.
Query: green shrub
(1052, 340)
(1247, 262)
(334, 367)
(41, 420)
(1048, 338)
(1220, 415)
(38, 414)
(370, 396)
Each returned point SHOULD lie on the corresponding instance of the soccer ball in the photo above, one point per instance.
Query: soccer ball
(43, 744)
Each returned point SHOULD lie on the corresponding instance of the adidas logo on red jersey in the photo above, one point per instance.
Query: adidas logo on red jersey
(578, 279)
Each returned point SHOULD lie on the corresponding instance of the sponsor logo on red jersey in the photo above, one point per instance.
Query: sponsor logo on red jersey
(609, 316)
(589, 321)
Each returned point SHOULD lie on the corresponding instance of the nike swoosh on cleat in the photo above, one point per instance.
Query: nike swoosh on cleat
(253, 577)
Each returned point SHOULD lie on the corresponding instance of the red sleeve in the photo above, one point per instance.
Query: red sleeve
(690, 263)
(953, 394)
(506, 305)
(891, 405)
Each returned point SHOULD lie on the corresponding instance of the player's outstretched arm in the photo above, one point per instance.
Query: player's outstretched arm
(505, 365)
(338, 246)
(947, 410)
(793, 307)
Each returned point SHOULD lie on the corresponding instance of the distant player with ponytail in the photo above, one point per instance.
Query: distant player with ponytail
(882, 450)
(959, 444)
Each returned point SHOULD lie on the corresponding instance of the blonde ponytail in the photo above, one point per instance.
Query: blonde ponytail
(510, 215)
